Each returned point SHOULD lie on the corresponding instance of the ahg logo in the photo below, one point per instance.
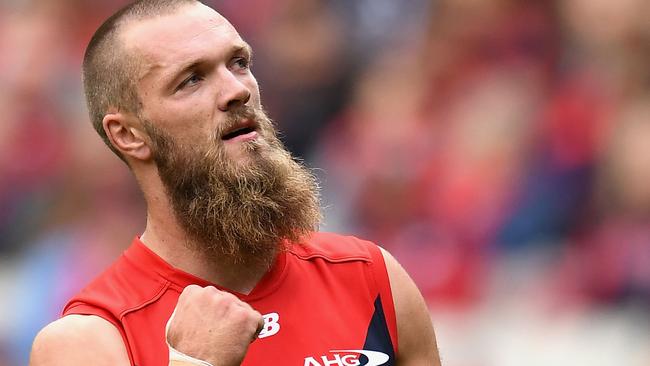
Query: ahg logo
(349, 358)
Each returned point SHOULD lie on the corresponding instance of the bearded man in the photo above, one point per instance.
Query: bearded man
(230, 252)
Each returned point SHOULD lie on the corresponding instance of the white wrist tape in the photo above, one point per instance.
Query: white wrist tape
(176, 355)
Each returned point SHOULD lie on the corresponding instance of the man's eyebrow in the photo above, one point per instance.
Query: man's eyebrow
(194, 63)
(245, 47)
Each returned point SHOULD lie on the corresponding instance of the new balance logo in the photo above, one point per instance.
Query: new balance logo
(351, 357)
(271, 325)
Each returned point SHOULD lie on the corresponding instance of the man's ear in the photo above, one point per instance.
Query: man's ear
(127, 137)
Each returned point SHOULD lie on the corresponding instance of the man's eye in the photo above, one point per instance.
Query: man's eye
(191, 80)
(242, 63)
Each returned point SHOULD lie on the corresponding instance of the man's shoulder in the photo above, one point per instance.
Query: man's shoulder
(77, 340)
(122, 286)
(336, 248)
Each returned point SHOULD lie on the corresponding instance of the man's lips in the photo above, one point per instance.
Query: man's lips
(245, 130)
(250, 136)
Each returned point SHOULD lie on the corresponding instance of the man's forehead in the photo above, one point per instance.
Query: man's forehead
(161, 39)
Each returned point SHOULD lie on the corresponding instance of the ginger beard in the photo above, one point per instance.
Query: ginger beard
(237, 212)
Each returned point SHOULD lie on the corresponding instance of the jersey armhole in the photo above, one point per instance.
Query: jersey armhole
(85, 309)
(380, 273)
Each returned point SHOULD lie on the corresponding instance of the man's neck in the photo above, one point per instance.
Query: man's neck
(164, 237)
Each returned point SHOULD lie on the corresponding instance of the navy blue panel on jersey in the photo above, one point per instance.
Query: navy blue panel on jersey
(378, 337)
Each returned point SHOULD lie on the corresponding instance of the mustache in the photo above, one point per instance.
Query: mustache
(235, 117)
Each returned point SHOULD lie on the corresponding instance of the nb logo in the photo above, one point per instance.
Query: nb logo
(271, 325)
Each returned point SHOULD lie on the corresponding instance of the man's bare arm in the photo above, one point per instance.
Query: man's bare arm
(225, 324)
(77, 340)
(417, 340)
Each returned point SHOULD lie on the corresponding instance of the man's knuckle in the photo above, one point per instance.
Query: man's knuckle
(191, 288)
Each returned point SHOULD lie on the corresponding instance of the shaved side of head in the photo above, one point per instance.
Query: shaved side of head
(110, 69)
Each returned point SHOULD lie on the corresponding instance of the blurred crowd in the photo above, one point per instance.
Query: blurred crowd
(500, 149)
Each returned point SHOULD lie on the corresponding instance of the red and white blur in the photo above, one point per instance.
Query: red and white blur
(500, 149)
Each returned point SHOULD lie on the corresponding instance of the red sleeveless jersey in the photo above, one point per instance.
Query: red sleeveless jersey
(327, 302)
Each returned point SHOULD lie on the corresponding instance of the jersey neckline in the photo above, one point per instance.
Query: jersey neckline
(150, 262)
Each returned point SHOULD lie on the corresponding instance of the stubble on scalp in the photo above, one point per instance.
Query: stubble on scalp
(239, 213)
(110, 67)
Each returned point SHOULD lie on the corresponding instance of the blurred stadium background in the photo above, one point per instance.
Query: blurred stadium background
(499, 148)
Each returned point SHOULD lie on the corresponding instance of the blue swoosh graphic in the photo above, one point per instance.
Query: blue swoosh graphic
(374, 358)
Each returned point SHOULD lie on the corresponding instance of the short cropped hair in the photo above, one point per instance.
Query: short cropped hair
(109, 71)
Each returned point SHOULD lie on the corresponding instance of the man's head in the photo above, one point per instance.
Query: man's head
(170, 90)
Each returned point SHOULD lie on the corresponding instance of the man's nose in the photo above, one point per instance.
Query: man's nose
(234, 93)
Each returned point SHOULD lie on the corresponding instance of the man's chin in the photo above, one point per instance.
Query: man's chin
(245, 152)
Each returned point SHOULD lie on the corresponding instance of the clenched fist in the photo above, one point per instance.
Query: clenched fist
(213, 326)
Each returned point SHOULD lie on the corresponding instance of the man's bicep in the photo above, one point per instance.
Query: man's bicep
(415, 334)
(79, 340)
